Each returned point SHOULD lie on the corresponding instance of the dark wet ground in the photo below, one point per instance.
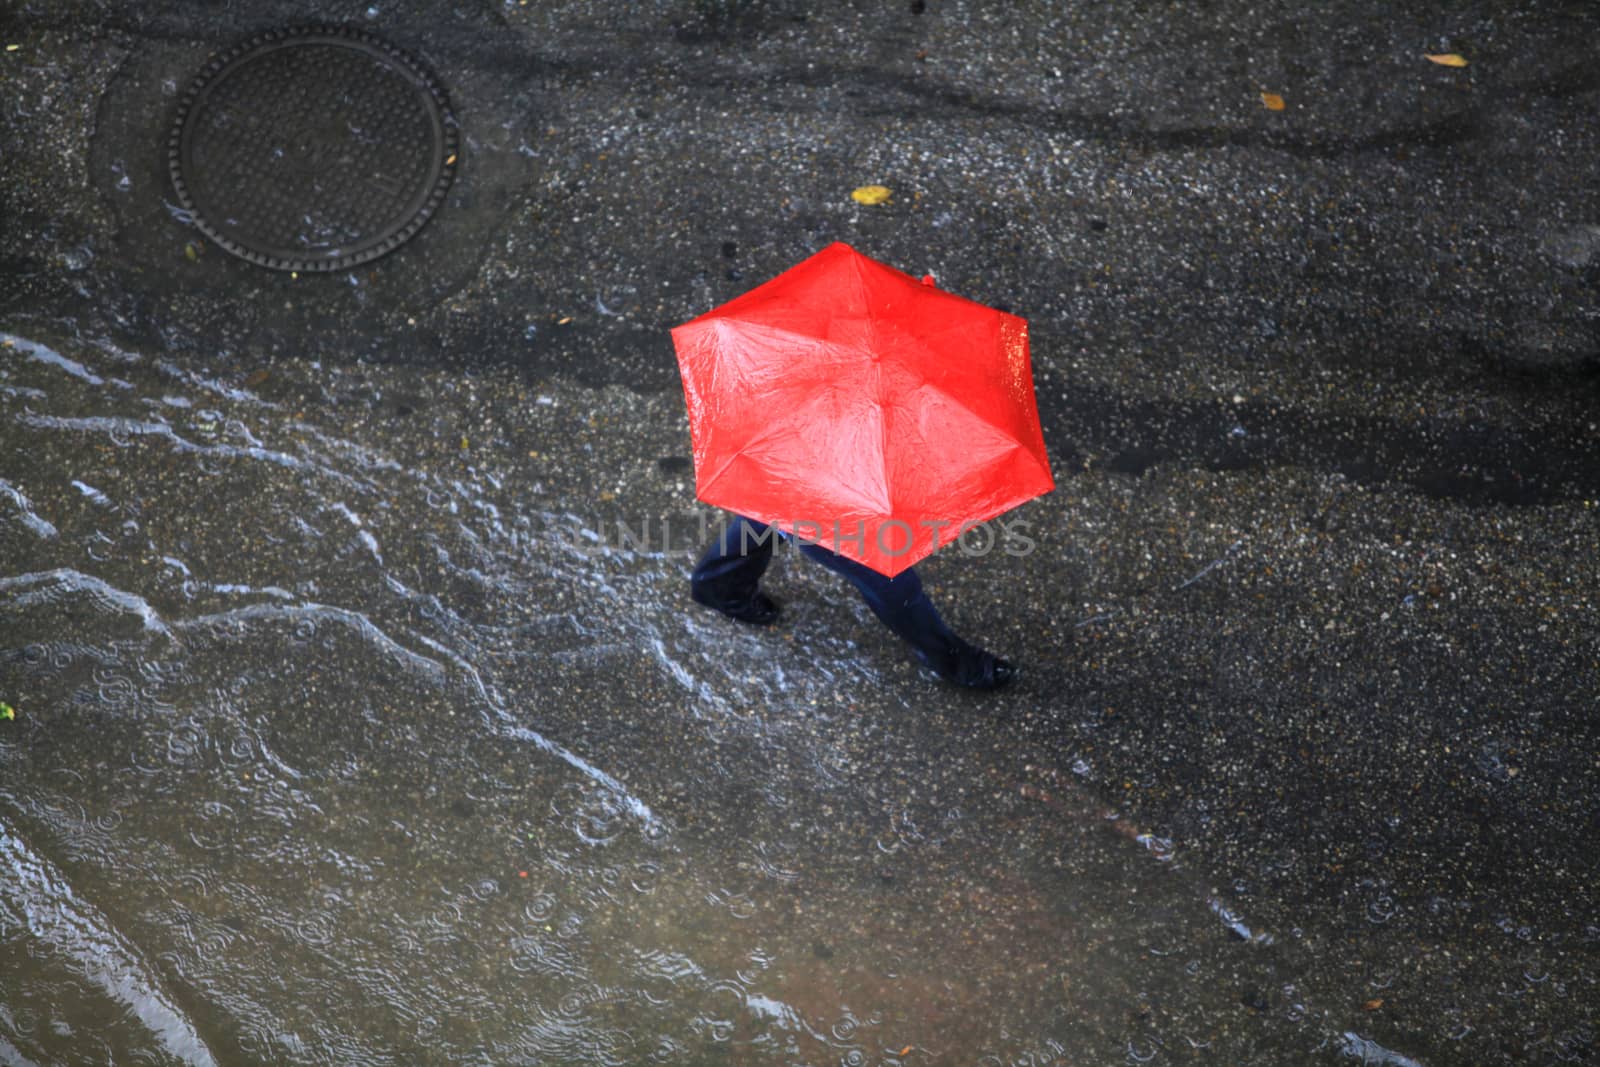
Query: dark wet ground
(349, 727)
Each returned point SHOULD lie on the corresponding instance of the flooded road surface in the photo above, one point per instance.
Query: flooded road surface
(370, 760)
(349, 730)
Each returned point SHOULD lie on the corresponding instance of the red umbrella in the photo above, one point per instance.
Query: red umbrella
(850, 404)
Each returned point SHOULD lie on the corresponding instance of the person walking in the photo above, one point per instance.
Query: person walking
(855, 395)
(728, 575)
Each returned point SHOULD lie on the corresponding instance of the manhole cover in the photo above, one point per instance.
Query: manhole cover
(312, 149)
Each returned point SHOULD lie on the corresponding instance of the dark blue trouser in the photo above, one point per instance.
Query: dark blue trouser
(731, 568)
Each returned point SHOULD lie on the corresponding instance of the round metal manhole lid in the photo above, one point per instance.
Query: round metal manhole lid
(312, 149)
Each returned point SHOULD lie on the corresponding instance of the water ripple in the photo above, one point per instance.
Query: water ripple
(79, 933)
(30, 521)
(52, 587)
(44, 354)
(120, 430)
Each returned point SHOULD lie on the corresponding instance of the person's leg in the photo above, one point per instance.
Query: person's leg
(729, 572)
(901, 604)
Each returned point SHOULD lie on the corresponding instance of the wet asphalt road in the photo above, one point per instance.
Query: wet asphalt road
(1315, 598)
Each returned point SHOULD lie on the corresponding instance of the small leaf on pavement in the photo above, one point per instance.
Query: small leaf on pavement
(1448, 59)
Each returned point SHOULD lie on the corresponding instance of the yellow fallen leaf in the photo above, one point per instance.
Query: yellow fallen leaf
(1272, 101)
(1447, 59)
(12, 47)
(871, 194)
(563, 322)
(451, 160)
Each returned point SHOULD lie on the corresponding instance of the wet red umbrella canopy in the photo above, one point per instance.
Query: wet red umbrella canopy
(847, 403)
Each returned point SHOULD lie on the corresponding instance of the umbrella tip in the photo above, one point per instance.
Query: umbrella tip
(930, 281)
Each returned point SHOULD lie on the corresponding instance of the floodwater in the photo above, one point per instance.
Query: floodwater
(346, 731)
